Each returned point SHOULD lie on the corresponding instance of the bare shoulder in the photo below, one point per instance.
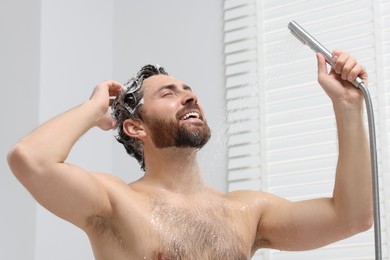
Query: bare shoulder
(250, 196)
(112, 184)
(108, 178)
(258, 201)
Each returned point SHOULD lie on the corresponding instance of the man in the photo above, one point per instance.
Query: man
(170, 213)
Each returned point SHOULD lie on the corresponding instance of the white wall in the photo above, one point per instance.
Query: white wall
(19, 77)
(55, 52)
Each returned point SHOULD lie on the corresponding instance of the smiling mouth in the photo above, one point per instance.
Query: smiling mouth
(190, 115)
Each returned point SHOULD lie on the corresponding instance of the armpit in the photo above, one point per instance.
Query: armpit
(100, 226)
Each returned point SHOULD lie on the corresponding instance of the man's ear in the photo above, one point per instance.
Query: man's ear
(134, 128)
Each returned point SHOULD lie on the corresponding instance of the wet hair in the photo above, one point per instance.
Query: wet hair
(128, 105)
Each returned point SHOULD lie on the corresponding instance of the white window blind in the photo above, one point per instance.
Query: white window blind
(282, 131)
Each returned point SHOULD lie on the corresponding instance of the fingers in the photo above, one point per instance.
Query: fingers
(347, 66)
(108, 88)
(321, 62)
(322, 68)
(113, 87)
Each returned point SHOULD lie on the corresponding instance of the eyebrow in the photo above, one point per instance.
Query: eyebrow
(173, 87)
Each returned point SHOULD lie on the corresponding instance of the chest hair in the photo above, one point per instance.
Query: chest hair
(196, 231)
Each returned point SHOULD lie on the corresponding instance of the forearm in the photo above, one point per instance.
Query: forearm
(353, 191)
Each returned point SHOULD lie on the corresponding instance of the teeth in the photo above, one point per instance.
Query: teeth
(186, 116)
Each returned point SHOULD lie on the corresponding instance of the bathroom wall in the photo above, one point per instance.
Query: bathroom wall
(19, 92)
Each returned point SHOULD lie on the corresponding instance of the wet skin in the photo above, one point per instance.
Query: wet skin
(160, 224)
(173, 215)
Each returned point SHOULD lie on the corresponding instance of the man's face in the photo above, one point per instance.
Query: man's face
(172, 114)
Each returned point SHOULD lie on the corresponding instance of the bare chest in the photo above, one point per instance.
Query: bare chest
(209, 229)
(166, 228)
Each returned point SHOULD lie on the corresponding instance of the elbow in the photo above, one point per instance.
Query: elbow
(16, 158)
(366, 218)
(361, 223)
(20, 160)
(366, 223)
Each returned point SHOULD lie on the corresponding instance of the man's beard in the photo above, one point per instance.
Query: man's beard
(168, 133)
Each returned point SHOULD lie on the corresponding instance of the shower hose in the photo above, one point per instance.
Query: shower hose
(374, 170)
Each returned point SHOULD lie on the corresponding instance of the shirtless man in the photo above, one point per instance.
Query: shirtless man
(170, 213)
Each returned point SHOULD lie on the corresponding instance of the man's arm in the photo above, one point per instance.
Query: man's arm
(310, 224)
(38, 160)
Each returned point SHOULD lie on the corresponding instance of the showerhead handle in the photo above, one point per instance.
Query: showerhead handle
(304, 37)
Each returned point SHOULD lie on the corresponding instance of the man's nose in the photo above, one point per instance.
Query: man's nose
(189, 97)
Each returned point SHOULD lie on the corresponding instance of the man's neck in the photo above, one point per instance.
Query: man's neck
(174, 169)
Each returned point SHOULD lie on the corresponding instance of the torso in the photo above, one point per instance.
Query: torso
(160, 225)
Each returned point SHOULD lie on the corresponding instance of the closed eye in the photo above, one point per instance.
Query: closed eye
(167, 94)
(171, 90)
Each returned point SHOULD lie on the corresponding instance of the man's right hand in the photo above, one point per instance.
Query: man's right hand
(102, 94)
